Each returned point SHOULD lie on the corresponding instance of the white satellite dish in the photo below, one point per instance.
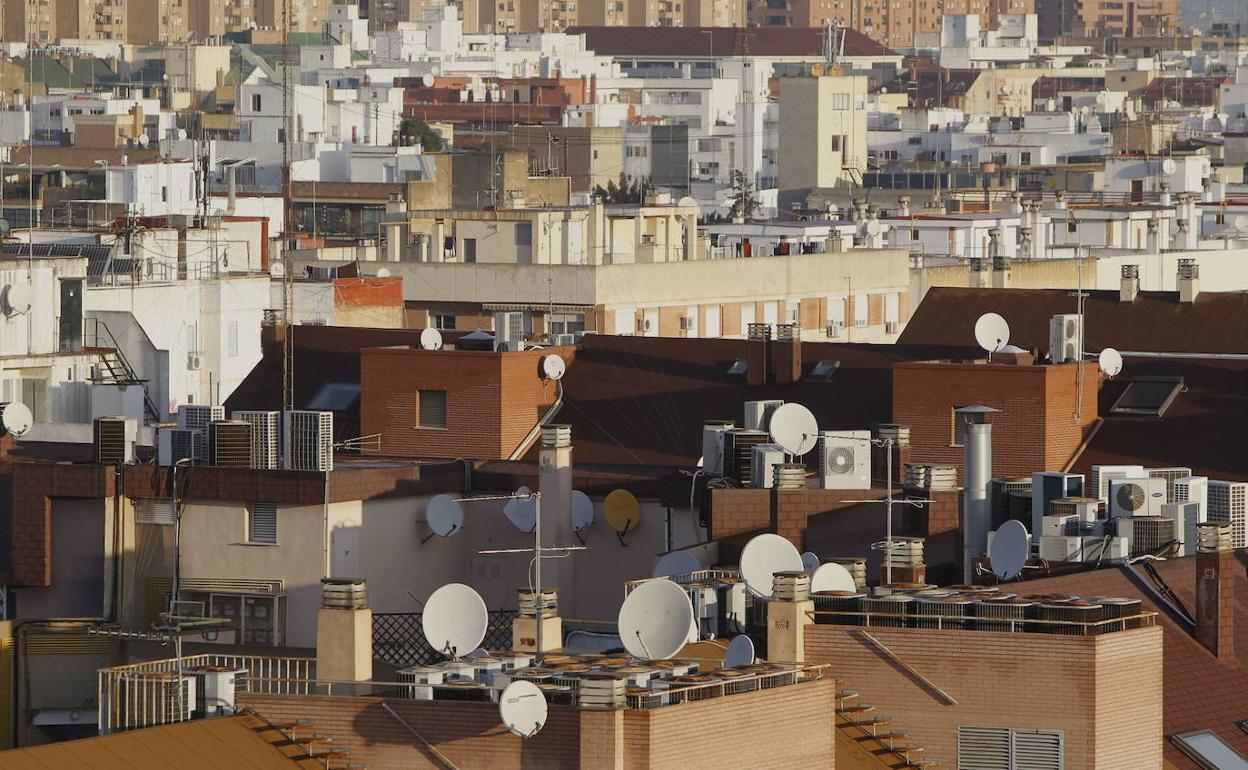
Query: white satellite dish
(426, 81)
(383, 272)
(182, 135)
(1010, 546)
(810, 562)
(740, 652)
(873, 227)
(521, 511)
(677, 563)
(553, 367)
(1110, 361)
(431, 339)
(15, 299)
(15, 418)
(687, 202)
(992, 332)
(143, 140)
(1168, 166)
(582, 510)
(655, 619)
(445, 515)
(522, 707)
(276, 270)
(455, 619)
(794, 428)
(832, 577)
(763, 557)
(1240, 222)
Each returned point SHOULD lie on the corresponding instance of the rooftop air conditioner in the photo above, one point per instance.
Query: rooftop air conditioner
(193, 362)
(758, 414)
(763, 461)
(229, 443)
(114, 439)
(1102, 474)
(834, 330)
(195, 417)
(1048, 486)
(174, 445)
(264, 437)
(309, 440)
(845, 459)
(1170, 475)
(738, 453)
(713, 446)
(1066, 338)
(687, 323)
(1136, 497)
(643, 324)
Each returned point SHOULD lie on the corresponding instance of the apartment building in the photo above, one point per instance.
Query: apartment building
(822, 132)
(893, 24)
(1109, 18)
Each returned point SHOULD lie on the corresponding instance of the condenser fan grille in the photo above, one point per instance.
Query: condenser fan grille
(840, 460)
(1130, 497)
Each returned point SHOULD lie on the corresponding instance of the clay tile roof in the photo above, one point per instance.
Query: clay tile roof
(234, 743)
(722, 41)
(1200, 691)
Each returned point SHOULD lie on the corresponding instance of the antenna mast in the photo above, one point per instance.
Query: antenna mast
(288, 302)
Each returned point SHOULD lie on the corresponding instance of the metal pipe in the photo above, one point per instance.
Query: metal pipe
(978, 475)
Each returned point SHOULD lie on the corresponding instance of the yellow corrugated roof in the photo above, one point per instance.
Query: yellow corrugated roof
(230, 743)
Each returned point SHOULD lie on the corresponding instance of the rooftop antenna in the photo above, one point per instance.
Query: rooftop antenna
(763, 557)
(992, 333)
(455, 620)
(622, 512)
(677, 563)
(539, 551)
(1110, 361)
(794, 429)
(740, 652)
(832, 577)
(522, 707)
(655, 620)
(582, 513)
(288, 220)
(431, 339)
(1009, 550)
(445, 517)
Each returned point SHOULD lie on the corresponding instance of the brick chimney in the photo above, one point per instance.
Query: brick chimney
(1129, 287)
(786, 354)
(758, 341)
(1215, 589)
(788, 614)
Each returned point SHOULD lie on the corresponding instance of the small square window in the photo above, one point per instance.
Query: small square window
(262, 523)
(432, 409)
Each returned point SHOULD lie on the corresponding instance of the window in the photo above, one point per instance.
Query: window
(432, 409)
(823, 371)
(840, 101)
(836, 143)
(524, 234)
(255, 102)
(1209, 751)
(1024, 159)
(164, 194)
(1007, 748)
(915, 140)
(442, 320)
(958, 429)
(262, 523)
(470, 249)
(231, 339)
(154, 510)
(1147, 396)
(1072, 227)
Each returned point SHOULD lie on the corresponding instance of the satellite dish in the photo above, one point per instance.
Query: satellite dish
(687, 202)
(794, 428)
(276, 270)
(677, 563)
(1168, 166)
(455, 619)
(15, 418)
(582, 510)
(521, 511)
(383, 273)
(426, 81)
(740, 652)
(622, 511)
(992, 332)
(763, 557)
(832, 577)
(143, 140)
(810, 562)
(553, 367)
(15, 299)
(431, 339)
(873, 227)
(182, 134)
(1241, 222)
(522, 708)
(655, 619)
(1110, 361)
(1010, 546)
(445, 515)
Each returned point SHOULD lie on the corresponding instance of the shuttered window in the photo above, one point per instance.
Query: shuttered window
(432, 409)
(1004, 748)
(154, 510)
(262, 523)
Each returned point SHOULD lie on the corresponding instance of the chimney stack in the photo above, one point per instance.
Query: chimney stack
(344, 631)
(786, 354)
(979, 269)
(1061, 199)
(1165, 193)
(903, 203)
(1154, 242)
(1189, 281)
(1215, 589)
(1129, 288)
(788, 614)
(977, 476)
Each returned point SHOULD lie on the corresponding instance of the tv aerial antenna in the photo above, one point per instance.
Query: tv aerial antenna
(540, 552)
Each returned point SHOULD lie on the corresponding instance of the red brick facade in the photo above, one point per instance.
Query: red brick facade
(1215, 602)
(493, 400)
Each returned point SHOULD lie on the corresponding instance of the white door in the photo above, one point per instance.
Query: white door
(710, 315)
(345, 552)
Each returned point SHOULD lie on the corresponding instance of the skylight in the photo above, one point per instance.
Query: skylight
(823, 371)
(738, 367)
(1147, 396)
(1209, 751)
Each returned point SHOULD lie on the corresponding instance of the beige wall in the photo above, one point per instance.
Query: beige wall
(811, 123)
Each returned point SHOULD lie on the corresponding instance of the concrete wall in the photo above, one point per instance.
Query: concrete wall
(79, 542)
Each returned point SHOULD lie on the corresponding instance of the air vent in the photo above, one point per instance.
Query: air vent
(229, 443)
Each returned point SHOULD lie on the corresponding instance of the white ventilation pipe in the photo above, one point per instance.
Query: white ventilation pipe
(977, 476)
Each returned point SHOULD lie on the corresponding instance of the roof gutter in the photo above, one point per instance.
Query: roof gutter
(537, 429)
(1216, 356)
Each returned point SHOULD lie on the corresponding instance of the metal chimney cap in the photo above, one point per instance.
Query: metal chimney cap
(977, 413)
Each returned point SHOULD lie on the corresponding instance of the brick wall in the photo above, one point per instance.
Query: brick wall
(33, 487)
(734, 511)
(493, 400)
(1035, 431)
(1103, 692)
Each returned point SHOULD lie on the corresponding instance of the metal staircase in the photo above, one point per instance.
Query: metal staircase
(113, 368)
(873, 731)
(304, 742)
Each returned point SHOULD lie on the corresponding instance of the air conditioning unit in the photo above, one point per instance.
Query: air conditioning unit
(217, 687)
(1103, 474)
(688, 324)
(713, 446)
(834, 330)
(193, 362)
(1228, 503)
(1170, 475)
(643, 324)
(763, 461)
(738, 453)
(845, 459)
(229, 444)
(195, 417)
(420, 680)
(114, 439)
(565, 340)
(758, 414)
(1136, 497)
(1147, 534)
(1086, 509)
(1047, 487)
(1061, 548)
(174, 444)
(1186, 516)
(705, 601)
(264, 437)
(1066, 338)
(309, 440)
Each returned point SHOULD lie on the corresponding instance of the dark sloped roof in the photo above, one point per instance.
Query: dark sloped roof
(721, 41)
(1200, 691)
(1155, 321)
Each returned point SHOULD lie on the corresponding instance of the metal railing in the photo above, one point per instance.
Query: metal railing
(970, 622)
(699, 576)
(399, 639)
(157, 692)
(96, 334)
